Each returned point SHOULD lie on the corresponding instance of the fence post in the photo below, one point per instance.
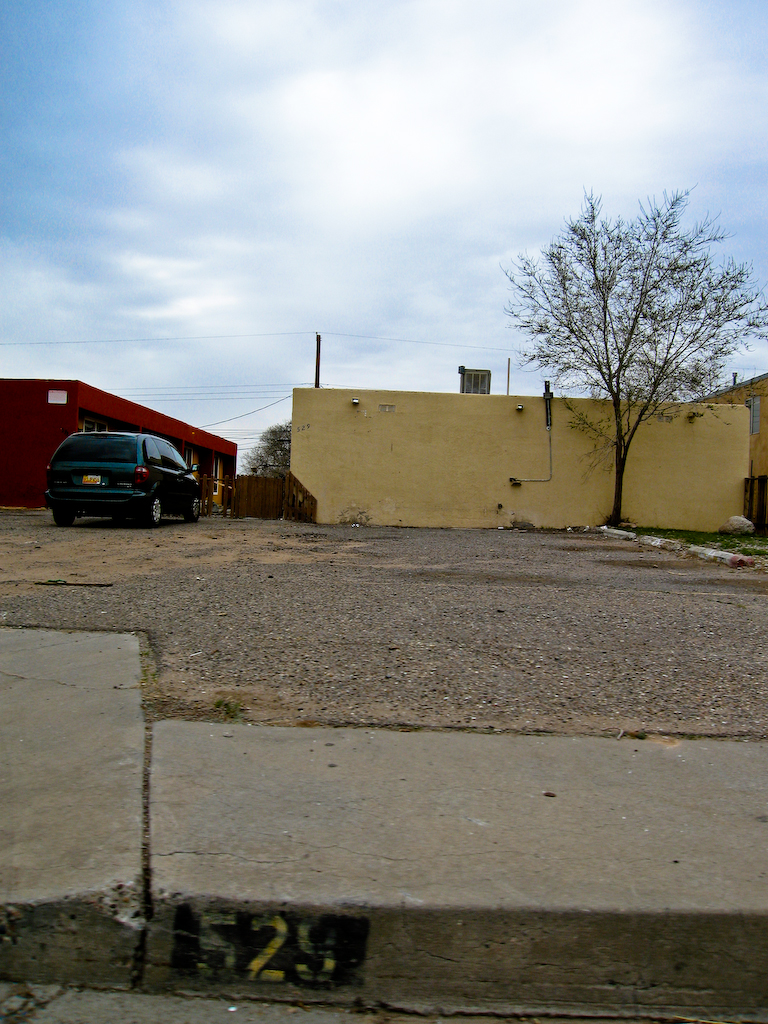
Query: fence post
(227, 497)
(762, 501)
(206, 494)
(749, 493)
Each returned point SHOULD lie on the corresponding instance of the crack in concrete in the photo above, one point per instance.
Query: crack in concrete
(138, 962)
(224, 853)
(35, 679)
(436, 956)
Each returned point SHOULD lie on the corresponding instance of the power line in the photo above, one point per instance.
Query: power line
(196, 398)
(414, 341)
(212, 387)
(244, 414)
(130, 341)
(270, 334)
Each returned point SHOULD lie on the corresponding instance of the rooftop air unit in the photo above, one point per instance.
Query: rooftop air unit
(475, 382)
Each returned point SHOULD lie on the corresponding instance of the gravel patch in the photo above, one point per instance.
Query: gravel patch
(297, 624)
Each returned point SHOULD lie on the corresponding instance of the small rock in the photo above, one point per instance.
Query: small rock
(737, 525)
(43, 994)
(13, 1004)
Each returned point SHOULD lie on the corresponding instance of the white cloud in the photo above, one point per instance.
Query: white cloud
(363, 168)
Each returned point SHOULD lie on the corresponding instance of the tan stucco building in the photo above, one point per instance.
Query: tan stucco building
(753, 394)
(408, 458)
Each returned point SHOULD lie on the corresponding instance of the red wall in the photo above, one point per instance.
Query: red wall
(30, 432)
(31, 429)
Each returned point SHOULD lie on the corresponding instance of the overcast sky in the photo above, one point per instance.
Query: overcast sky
(192, 188)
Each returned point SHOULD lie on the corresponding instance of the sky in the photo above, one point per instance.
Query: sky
(190, 190)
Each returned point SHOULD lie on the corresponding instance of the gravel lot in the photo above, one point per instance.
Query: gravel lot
(284, 623)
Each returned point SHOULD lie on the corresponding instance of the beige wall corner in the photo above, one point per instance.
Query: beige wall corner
(758, 441)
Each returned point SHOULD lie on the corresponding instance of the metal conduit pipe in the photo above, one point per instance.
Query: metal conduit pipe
(516, 481)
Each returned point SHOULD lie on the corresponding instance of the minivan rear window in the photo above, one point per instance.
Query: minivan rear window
(96, 448)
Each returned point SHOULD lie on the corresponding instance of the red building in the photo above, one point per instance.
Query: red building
(36, 416)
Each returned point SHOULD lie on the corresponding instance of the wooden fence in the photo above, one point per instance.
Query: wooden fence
(298, 503)
(756, 500)
(259, 497)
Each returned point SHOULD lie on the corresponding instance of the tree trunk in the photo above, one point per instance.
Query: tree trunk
(615, 517)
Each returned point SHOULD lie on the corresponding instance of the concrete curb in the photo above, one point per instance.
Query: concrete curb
(729, 558)
(734, 560)
(468, 960)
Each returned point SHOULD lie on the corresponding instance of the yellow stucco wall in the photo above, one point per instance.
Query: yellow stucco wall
(758, 442)
(407, 458)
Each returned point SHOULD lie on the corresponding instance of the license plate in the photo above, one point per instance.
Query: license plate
(91, 478)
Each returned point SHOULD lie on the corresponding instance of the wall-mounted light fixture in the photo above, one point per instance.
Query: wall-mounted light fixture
(355, 401)
(520, 408)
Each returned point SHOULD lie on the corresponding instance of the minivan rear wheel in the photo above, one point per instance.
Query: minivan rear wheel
(63, 517)
(153, 513)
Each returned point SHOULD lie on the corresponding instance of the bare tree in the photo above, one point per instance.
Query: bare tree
(272, 455)
(637, 312)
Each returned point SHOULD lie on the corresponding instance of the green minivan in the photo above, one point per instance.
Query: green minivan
(122, 475)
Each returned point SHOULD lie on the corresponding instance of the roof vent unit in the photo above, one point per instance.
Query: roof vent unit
(475, 382)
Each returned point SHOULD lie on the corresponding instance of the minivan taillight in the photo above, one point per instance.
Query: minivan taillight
(140, 475)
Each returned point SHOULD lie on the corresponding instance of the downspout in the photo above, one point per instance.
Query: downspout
(516, 481)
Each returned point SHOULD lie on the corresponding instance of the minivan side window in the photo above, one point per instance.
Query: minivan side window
(171, 458)
(151, 451)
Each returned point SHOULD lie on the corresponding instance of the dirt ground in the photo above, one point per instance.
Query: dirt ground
(284, 623)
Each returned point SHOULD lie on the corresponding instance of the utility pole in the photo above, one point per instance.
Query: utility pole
(317, 363)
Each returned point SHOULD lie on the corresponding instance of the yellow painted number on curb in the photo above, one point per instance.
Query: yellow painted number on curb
(308, 947)
(257, 965)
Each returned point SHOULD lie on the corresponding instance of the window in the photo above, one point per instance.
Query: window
(93, 426)
(97, 449)
(151, 451)
(753, 404)
(216, 473)
(171, 458)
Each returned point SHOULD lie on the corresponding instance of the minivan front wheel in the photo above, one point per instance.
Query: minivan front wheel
(192, 511)
(153, 513)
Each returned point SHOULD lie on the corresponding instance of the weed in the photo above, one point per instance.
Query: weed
(232, 710)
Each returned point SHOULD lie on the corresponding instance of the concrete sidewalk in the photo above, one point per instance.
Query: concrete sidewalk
(430, 871)
(71, 760)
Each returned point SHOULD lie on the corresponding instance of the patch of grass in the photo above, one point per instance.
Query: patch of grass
(230, 710)
(746, 544)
